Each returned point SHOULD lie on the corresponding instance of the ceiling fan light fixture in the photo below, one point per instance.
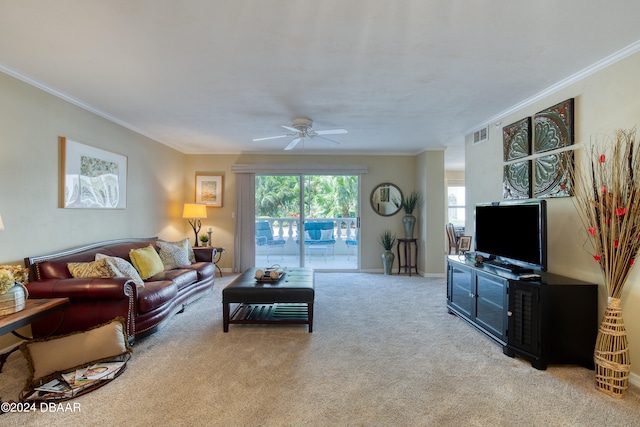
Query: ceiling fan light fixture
(300, 129)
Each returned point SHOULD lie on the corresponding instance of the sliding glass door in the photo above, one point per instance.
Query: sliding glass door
(307, 220)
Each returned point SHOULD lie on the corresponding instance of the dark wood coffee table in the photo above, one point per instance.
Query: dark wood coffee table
(286, 301)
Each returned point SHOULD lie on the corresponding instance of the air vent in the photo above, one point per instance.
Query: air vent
(481, 135)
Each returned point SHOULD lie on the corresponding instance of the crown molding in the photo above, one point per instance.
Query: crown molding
(66, 97)
(574, 78)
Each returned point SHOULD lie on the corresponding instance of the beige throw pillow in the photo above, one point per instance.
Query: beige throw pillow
(174, 255)
(95, 269)
(186, 243)
(122, 268)
(50, 355)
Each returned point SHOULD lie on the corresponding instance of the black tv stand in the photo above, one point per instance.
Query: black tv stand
(549, 320)
(515, 269)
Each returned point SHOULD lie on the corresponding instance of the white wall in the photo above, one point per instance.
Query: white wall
(605, 101)
(32, 121)
(400, 170)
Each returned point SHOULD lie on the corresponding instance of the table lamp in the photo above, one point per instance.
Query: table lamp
(1, 224)
(194, 212)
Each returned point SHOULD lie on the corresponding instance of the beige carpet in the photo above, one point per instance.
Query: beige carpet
(384, 352)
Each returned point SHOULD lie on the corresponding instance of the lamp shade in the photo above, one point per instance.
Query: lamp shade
(1, 224)
(194, 210)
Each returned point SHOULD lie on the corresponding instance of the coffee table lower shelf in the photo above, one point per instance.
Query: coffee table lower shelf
(275, 313)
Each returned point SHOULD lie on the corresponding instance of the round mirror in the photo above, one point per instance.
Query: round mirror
(382, 198)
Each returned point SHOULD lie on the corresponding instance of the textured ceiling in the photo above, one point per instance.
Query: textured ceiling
(401, 76)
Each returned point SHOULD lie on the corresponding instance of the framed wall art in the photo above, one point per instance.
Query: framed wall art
(516, 139)
(209, 190)
(554, 127)
(91, 178)
(551, 175)
(516, 180)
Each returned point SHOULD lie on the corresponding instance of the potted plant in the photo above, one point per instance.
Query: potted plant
(387, 240)
(408, 204)
(204, 239)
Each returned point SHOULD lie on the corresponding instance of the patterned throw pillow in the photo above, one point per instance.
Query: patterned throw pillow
(146, 261)
(122, 268)
(184, 243)
(173, 255)
(94, 269)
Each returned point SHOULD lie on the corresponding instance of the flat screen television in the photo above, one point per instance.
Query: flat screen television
(512, 235)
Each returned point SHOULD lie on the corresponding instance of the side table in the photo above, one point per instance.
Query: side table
(217, 257)
(408, 265)
(34, 309)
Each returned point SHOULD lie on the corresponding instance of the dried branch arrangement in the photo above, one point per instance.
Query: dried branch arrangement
(607, 198)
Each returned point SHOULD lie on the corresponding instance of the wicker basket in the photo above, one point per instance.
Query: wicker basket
(611, 355)
(13, 300)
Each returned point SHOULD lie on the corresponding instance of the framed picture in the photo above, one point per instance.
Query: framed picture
(209, 190)
(91, 178)
(464, 244)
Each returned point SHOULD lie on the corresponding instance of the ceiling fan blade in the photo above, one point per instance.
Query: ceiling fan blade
(291, 129)
(327, 139)
(293, 143)
(331, 132)
(269, 137)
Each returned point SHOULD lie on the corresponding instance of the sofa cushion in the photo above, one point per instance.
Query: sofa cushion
(146, 261)
(155, 294)
(122, 268)
(174, 255)
(98, 269)
(204, 269)
(180, 277)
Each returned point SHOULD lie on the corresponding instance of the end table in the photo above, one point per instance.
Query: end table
(408, 265)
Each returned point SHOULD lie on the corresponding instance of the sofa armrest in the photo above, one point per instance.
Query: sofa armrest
(204, 254)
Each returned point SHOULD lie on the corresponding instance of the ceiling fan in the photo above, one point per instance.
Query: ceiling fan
(301, 128)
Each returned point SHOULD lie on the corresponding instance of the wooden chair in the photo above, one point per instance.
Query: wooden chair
(451, 238)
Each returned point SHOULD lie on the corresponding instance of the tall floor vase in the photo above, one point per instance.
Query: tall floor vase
(387, 261)
(611, 354)
(409, 222)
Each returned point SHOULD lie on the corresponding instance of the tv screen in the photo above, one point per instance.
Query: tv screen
(513, 232)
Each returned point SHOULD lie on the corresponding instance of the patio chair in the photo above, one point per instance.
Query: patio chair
(352, 244)
(264, 238)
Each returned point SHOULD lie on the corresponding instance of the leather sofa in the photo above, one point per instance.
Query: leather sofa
(94, 301)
